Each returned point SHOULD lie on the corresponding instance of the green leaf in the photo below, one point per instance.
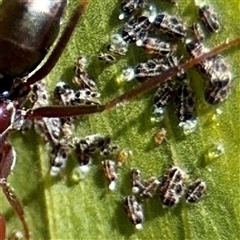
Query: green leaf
(63, 209)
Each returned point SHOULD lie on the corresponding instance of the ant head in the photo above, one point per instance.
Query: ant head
(6, 111)
(6, 83)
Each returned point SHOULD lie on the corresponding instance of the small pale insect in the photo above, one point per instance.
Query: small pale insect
(150, 188)
(131, 6)
(160, 136)
(82, 79)
(118, 45)
(134, 211)
(136, 29)
(185, 108)
(163, 97)
(156, 46)
(172, 186)
(138, 184)
(195, 191)
(106, 57)
(209, 18)
(171, 25)
(110, 171)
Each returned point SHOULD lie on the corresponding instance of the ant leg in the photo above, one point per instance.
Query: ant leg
(2, 227)
(149, 84)
(64, 111)
(7, 161)
(56, 53)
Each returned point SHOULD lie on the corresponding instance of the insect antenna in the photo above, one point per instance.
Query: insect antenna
(149, 84)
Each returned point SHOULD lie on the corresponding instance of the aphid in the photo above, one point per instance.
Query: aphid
(171, 25)
(151, 187)
(110, 168)
(172, 186)
(197, 32)
(59, 156)
(156, 46)
(195, 48)
(84, 158)
(152, 68)
(216, 71)
(185, 108)
(195, 191)
(209, 18)
(98, 142)
(63, 94)
(134, 211)
(138, 184)
(162, 97)
(160, 136)
(106, 57)
(118, 45)
(136, 29)
(82, 79)
(219, 84)
(131, 6)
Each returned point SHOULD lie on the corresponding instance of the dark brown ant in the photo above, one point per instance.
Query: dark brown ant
(14, 94)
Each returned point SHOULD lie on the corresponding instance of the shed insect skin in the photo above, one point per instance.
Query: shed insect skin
(149, 84)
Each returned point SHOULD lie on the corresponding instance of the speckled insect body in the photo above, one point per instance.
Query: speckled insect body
(136, 28)
(156, 46)
(110, 171)
(209, 18)
(134, 211)
(130, 6)
(152, 68)
(151, 187)
(185, 107)
(172, 186)
(171, 25)
(163, 96)
(195, 191)
(138, 184)
(82, 78)
(219, 84)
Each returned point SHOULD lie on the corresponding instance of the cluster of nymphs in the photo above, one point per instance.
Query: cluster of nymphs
(59, 132)
(171, 187)
(142, 26)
